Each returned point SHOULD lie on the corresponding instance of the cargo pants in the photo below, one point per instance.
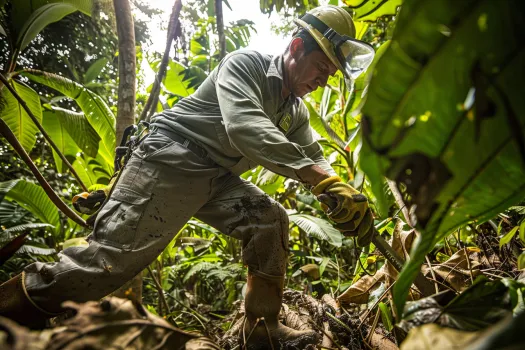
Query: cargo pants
(163, 185)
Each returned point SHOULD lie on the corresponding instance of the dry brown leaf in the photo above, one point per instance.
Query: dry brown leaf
(312, 270)
(359, 292)
(459, 270)
(379, 341)
(201, 344)
(111, 324)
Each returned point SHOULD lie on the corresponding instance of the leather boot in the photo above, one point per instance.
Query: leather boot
(16, 304)
(263, 301)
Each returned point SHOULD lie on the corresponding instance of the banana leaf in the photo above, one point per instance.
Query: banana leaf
(445, 116)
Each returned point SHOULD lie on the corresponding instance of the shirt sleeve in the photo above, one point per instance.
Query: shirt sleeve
(239, 85)
(304, 137)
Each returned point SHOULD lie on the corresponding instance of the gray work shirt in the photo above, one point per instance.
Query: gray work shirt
(238, 115)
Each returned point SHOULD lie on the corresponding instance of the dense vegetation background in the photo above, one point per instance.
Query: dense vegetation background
(432, 134)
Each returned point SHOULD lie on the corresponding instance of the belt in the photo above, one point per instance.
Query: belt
(192, 146)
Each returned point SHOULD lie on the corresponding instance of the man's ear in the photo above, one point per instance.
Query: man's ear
(296, 48)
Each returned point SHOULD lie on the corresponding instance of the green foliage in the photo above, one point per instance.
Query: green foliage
(95, 109)
(41, 18)
(508, 237)
(297, 6)
(521, 261)
(25, 227)
(181, 81)
(420, 101)
(95, 69)
(78, 128)
(386, 316)
(29, 17)
(478, 307)
(424, 136)
(318, 228)
(33, 198)
(371, 10)
(16, 117)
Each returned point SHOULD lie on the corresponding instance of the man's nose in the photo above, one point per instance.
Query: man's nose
(322, 80)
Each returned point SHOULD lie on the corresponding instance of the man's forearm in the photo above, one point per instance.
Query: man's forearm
(312, 174)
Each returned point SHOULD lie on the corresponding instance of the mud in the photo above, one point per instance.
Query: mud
(253, 206)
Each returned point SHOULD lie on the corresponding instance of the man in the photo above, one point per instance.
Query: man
(247, 112)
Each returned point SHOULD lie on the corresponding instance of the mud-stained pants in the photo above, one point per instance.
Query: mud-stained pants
(163, 185)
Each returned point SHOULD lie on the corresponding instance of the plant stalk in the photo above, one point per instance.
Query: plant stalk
(173, 33)
(159, 290)
(11, 138)
(220, 28)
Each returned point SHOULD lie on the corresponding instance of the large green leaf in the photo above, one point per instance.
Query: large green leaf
(481, 305)
(15, 116)
(86, 171)
(321, 126)
(25, 227)
(95, 109)
(41, 18)
(180, 80)
(316, 121)
(450, 129)
(61, 138)
(94, 70)
(78, 127)
(12, 214)
(371, 10)
(32, 198)
(269, 182)
(318, 228)
(23, 11)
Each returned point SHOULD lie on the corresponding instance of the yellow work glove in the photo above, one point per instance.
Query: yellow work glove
(347, 207)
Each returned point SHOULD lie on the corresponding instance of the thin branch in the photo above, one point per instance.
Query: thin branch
(220, 28)
(173, 33)
(432, 272)
(11, 138)
(160, 291)
(41, 129)
(399, 201)
(374, 325)
(376, 303)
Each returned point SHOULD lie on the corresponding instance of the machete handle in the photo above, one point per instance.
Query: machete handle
(423, 284)
(327, 200)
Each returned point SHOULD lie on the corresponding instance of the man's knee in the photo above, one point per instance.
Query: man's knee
(266, 248)
(273, 219)
(283, 222)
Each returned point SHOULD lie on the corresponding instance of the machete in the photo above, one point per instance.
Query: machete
(422, 283)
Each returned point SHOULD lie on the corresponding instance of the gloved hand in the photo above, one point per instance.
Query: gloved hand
(90, 202)
(347, 207)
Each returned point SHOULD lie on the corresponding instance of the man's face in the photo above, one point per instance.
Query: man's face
(310, 71)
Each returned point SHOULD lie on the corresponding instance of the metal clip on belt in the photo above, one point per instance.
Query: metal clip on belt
(187, 143)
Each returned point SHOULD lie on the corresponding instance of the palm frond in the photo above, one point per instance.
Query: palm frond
(318, 228)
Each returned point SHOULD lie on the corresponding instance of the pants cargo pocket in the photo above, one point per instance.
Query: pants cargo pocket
(124, 211)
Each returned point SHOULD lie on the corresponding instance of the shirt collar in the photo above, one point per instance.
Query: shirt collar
(276, 67)
(276, 70)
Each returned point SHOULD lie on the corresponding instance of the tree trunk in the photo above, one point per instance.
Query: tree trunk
(126, 66)
(126, 105)
(220, 28)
